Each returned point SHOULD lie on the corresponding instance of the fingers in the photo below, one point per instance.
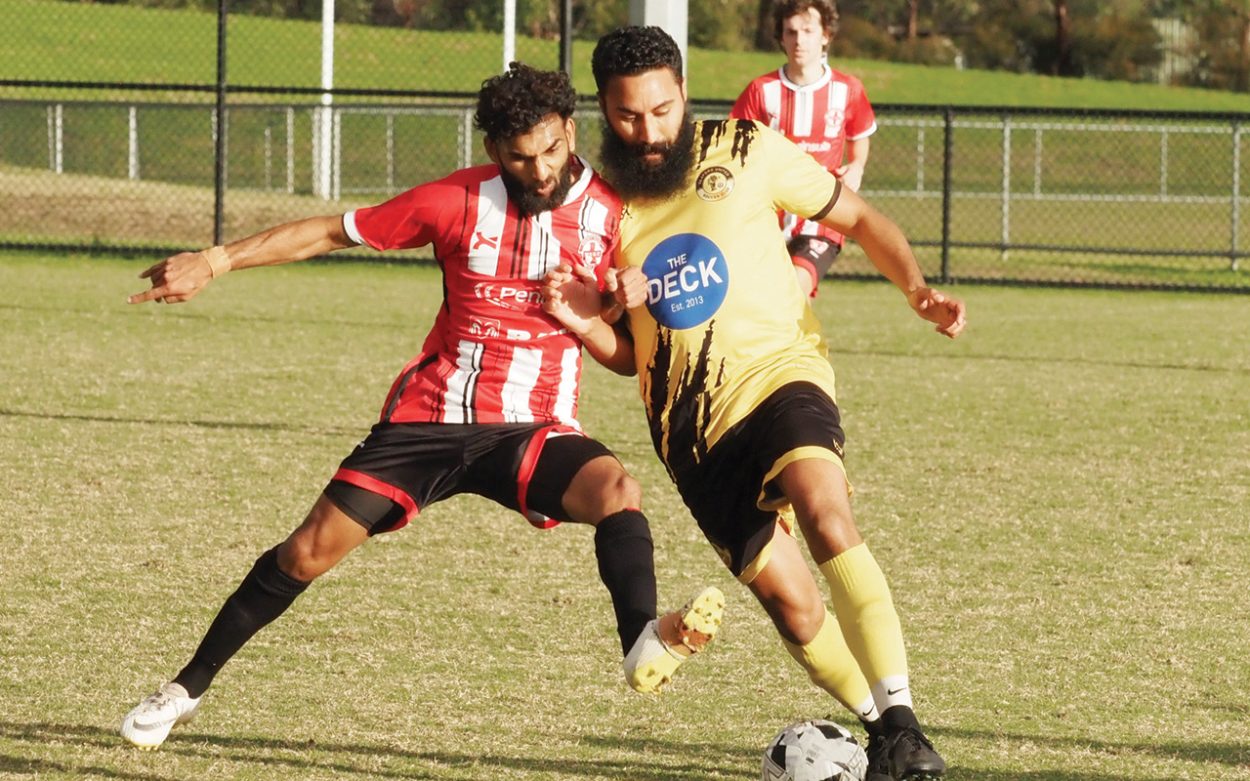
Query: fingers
(948, 313)
(155, 294)
(958, 319)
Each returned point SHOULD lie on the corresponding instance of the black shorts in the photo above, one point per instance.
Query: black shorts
(733, 493)
(814, 253)
(401, 468)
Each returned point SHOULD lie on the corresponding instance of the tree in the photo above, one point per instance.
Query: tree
(1063, 40)
(765, 40)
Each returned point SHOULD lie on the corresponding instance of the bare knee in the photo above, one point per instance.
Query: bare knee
(788, 592)
(297, 557)
(798, 623)
(320, 542)
(601, 488)
(621, 492)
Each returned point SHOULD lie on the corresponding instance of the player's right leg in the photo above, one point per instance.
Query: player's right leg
(789, 594)
(279, 576)
(578, 479)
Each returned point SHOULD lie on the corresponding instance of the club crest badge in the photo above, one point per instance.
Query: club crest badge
(591, 251)
(714, 183)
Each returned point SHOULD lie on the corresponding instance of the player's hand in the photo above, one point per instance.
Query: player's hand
(571, 295)
(851, 174)
(948, 313)
(175, 279)
(628, 285)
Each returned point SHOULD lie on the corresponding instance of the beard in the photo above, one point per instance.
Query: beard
(633, 177)
(527, 199)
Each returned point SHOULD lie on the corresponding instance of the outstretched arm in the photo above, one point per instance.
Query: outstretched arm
(181, 277)
(572, 296)
(889, 251)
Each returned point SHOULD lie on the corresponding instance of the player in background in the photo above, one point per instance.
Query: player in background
(824, 111)
(735, 379)
(489, 404)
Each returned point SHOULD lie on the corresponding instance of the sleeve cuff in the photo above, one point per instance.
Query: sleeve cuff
(349, 226)
(820, 215)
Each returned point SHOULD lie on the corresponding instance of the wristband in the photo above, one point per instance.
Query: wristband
(218, 260)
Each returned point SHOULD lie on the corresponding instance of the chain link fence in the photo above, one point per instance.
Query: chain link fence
(109, 140)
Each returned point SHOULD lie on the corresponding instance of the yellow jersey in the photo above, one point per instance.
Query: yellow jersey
(725, 324)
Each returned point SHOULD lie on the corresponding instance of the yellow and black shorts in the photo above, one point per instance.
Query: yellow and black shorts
(733, 493)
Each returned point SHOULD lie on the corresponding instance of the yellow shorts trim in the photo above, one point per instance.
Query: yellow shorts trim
(784, 525)
(774, 499)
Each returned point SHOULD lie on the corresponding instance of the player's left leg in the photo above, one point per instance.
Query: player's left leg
(577, 478)
(818, 491)
(813, 256)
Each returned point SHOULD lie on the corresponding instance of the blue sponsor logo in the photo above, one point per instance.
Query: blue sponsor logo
(686, 280)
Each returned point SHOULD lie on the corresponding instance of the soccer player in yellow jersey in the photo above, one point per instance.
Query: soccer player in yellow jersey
(734, 377)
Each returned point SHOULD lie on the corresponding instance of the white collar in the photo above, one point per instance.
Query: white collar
(579, 187)
(824, 78)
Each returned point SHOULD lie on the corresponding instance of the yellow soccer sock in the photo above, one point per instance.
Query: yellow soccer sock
(833, 668)
(865, 610)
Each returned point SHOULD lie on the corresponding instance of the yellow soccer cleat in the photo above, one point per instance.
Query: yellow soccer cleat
(673, 638)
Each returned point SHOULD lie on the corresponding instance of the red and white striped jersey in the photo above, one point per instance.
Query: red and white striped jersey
(820, 117)
(493, 355)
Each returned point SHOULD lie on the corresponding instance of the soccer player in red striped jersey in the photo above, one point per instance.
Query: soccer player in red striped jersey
(824, 111)
(489, 404)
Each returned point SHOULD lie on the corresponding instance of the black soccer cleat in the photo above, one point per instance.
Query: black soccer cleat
(905, 755)
(878, 759)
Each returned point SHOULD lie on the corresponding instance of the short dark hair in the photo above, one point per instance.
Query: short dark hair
(787, 8)
(630, 50)
(516, 100)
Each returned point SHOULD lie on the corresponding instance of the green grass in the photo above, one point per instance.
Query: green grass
(84, 41)
(1058, 499)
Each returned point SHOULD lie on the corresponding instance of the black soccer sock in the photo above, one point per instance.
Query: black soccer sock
(626, 565)
(263, 595)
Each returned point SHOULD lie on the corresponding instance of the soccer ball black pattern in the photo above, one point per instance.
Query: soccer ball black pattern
(814, 750)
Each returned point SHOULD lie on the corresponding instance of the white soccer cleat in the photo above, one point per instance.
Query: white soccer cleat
(149, 723)
(651, 662)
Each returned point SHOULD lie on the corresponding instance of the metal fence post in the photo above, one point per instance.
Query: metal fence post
(1236, 215)
(1005, 230)
(1163, 162)
(290, 149)
(219, 150)
(566, 36)
(132, 144)
(56, 138)
(948, 122)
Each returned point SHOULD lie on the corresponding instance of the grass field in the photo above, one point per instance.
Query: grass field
(1059, 499)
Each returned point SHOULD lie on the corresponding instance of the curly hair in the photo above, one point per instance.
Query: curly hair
(787, 8)
(512, 103)
(629, 50)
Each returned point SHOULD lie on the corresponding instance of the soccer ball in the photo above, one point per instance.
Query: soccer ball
(814, 750)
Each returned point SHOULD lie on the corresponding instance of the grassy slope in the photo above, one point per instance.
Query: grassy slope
(56, 40)
(1058, 499)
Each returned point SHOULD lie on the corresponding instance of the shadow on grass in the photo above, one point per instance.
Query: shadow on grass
(687, 762)
(214, 424)
(668, 760)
